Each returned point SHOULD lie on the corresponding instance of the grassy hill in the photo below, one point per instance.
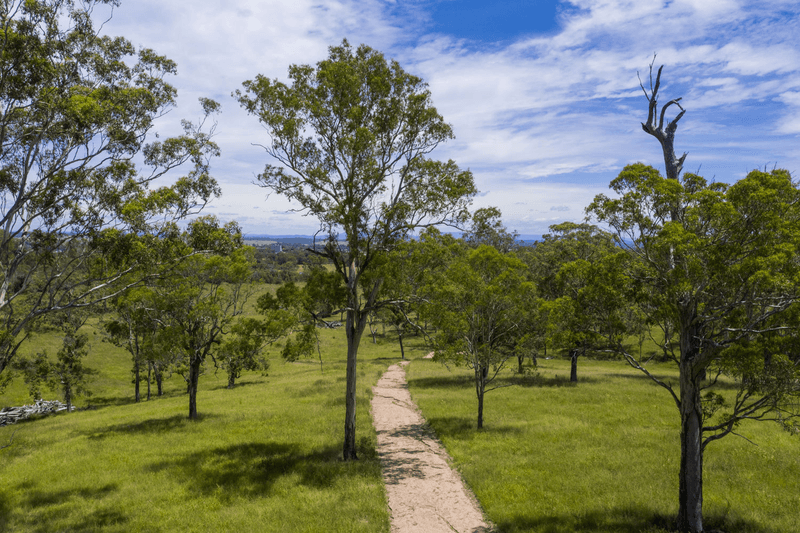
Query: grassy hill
(601, 455)
(264, 456)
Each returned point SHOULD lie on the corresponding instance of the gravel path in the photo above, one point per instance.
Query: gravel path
(425, 494)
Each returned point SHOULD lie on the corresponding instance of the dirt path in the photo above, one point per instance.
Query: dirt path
(425, 495)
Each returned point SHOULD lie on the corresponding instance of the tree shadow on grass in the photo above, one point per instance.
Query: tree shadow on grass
(501, 381)
(41, 509)
(148, 427)
(630, 519)
(465, 428)
(99, 402)
(238, 385)
(540, 381)
(641, 376)
(442, 382)
(252, 469)
(673, 380)
(36, 497)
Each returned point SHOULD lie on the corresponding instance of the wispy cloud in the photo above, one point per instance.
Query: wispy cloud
(553, 117)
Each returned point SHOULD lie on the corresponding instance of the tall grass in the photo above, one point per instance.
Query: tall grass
(602, 455)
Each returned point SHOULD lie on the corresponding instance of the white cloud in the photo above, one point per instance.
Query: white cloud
(542, 108)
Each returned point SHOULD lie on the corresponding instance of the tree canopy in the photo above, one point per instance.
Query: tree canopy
(476, 306)
(350, 138)
(720, 264)
(76, 213)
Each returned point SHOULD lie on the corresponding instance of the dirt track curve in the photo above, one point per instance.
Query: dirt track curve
(425, 494)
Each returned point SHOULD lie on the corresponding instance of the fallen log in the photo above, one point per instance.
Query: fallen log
(12, 415)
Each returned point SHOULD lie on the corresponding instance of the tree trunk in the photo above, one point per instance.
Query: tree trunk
(573, 371)
(690, 489)
(373, 329)
(480, 389)
(231, 380)
(690, 492)
(520, 363)
(402, 350)
(159, 381)
(68, 396)
(354, 329)
(149, 377)
(194, 375)
(136, 395)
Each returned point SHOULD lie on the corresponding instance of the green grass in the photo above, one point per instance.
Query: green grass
(602, 455)
(264, 456)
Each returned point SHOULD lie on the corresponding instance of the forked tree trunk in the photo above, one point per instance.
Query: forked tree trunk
(690, 490)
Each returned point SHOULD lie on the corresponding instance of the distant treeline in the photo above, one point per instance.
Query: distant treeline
(291, 263)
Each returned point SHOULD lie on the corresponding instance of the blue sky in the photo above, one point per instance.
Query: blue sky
(543, 97)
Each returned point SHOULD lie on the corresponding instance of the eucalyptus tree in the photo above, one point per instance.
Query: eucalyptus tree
(720, 264)
(577, 268)
(136, 326)
(487, 228)
(306, 308)
(350, 139)
(475, 305)
(66, 374)
(134, 329)
(200, 298)
(579, 302)
(76, 110)
(243, 347)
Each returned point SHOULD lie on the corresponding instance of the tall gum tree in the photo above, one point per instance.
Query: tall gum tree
(350, 138)
(720, 263)
(77, 215)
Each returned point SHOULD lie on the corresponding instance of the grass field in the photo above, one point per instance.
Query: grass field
(264, 456)
(602, 455)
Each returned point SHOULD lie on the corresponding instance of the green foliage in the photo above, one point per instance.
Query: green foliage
(351, 138)
(487, 228)
(66, 374)
(77, 213)
(718, 266)
(475, 305)
(583, 303)
(243, 347)
(719, 262)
